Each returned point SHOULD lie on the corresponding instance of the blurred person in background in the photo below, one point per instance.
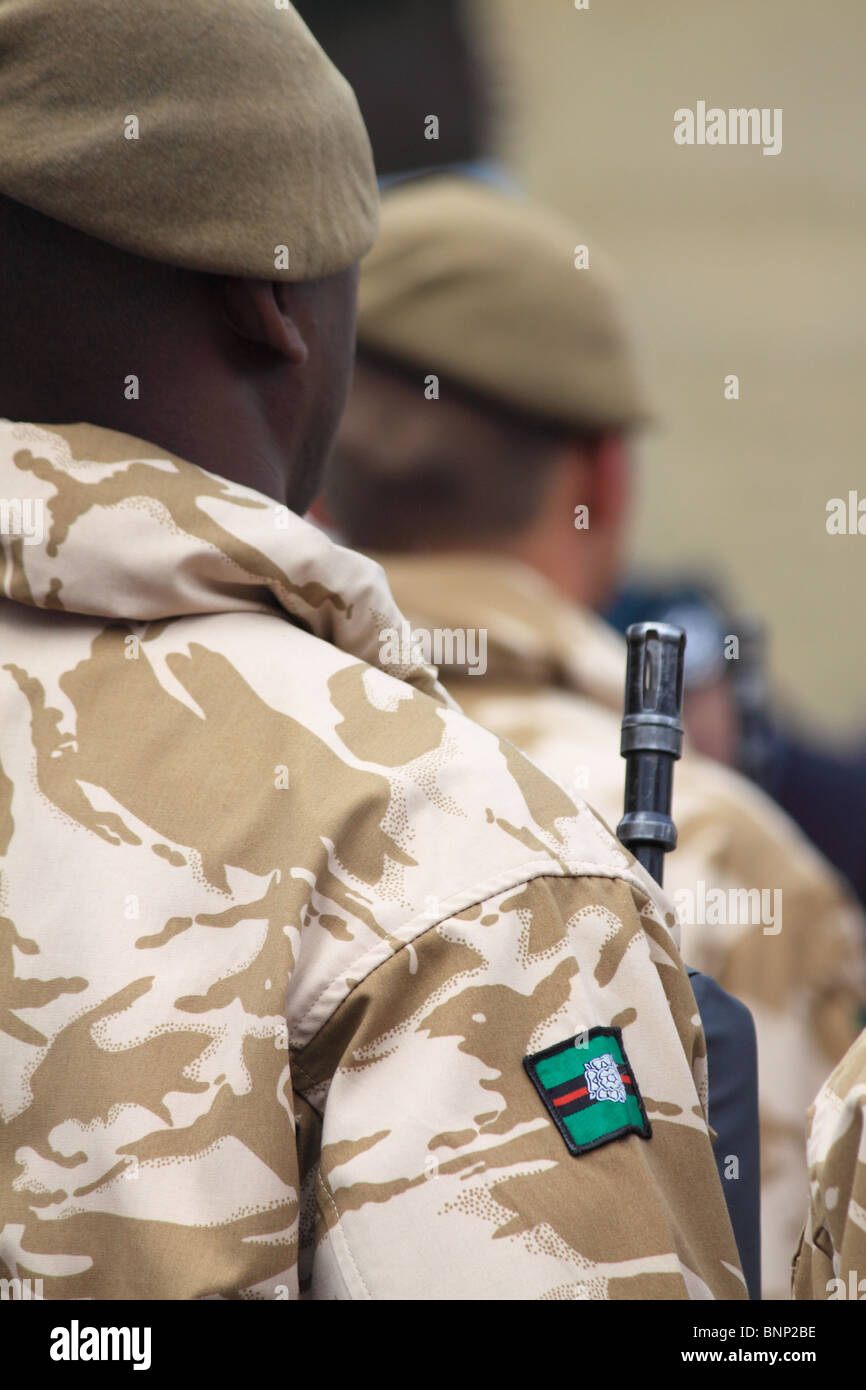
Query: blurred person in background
(485, 459)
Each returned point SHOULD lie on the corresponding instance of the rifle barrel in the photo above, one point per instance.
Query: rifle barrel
(651, 740)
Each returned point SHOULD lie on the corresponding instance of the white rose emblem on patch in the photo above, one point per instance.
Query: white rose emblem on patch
(603, 1080)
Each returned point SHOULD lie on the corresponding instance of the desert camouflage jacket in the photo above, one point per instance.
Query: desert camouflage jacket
(759, 909)
(831, 1261)
(280, 926)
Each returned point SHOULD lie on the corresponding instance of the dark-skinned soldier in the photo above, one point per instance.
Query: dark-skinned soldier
(311, 985)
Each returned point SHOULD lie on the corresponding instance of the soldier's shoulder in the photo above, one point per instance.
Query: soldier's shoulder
(837, 1121)
(449, 765)
(373, 759)
(468, 820)
(846, 1084)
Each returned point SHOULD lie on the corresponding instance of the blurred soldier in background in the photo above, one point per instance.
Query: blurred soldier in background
(309, 984)
(831, 1260)
(485, 457)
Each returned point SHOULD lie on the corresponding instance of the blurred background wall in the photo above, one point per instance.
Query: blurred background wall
(733, 262)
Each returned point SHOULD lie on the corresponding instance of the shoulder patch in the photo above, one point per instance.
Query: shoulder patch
(589, 1088)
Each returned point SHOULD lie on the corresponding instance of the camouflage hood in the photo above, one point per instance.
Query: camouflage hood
(531, 632)
(98, 523)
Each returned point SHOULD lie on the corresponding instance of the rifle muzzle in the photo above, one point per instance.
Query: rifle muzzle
(651, 740)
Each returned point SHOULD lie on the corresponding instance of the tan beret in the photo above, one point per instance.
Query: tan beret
(210, 134)
(481, 287)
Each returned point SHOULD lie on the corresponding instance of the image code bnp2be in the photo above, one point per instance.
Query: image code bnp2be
(781, 1332)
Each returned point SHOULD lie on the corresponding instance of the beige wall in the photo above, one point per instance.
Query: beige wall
(734, 262)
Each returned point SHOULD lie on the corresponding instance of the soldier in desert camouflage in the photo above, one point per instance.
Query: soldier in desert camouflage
(831, 1260)
(484, 459)
(310, 986)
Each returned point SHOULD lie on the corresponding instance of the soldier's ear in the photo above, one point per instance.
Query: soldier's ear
(260, 312)
(613, 476)
(600, 476)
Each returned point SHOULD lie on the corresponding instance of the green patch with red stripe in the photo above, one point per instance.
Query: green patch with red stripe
(588, 1085)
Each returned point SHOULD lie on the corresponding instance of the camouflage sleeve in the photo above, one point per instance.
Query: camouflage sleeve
(831, 1260)
(433, 1165)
